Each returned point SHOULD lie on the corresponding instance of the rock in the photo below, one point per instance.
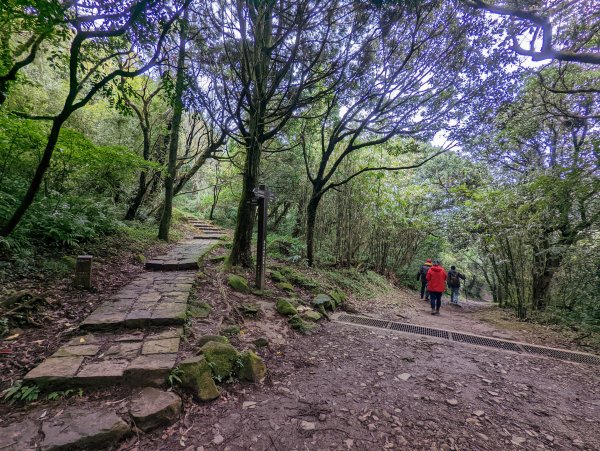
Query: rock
(311, 315)
(196, 375)
(479, 413)
(19, 436)
(516, 440)
(238, 283)
(301, 326)
(578, 443)
(322, 417)
(216, 338)
(286, 286)
(285, 307)
(261, 342)
(307, 425)
(220, 357)
(200, 310)
(218, 439)
(403, 376)
(253, 368)
(277, 276)
(338, 296)
(249, 309)
(248, 404)
(482, 436)
(152, 408)
(324, 300)
(81, 429)
(452, 402)
(231, 330)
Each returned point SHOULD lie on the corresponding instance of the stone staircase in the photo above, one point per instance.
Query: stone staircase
(133, 337)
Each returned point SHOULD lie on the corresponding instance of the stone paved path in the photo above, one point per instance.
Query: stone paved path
(132, 338)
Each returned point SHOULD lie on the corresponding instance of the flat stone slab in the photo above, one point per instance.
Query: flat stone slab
(152, 299)
(184, 256)
(76, 428)
(19, 436)
(152, 408)
(211, 237)
(143, 358)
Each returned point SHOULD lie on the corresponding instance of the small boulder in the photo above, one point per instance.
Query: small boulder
(238, 283)
(231, 331)
(249, 309)
(253, 368)
(261, 342)
(323, 300)
(311, 315)
(278, 277)
(300, 325)
(196, 376)
(221, 358)
(286, 286)
(285, 307)
(206, 338)
(152, 408)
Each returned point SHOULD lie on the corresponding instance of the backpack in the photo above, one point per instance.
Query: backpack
(453, 279)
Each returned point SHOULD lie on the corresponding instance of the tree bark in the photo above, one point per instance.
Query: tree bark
(311, 219)
(165, 221)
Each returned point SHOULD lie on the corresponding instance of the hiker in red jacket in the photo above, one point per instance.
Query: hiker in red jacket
(436, 284)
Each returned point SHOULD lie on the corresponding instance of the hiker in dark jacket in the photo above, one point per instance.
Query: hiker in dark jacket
(421, 276)
(436, 279)
(454, 278)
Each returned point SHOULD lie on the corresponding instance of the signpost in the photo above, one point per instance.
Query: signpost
(262, 196)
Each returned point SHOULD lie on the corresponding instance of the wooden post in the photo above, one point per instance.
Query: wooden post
(261, 242)
(83, 271)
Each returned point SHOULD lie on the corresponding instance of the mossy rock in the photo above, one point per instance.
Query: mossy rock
(278, 277)
(300, 325)
(297, 278)
(238, 283)
(249, 309)
(261, 293)
(286, 286)
(139, 258)
(71, 262)
(231, 331)
(261, 342)
(221, 358)
(311, 315)
(200, 310)
(217, 259)
(196, 375)
(323, 300)
(216, 338)
(338, 296)
(285, 307)
(253, 368)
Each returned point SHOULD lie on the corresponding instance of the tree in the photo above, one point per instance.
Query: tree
(100, 33)
(270, 63)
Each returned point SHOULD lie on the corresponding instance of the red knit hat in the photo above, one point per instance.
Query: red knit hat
(428, 262)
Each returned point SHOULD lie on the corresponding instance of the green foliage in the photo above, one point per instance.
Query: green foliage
(174, 377)
(65, 394)
(19, 392)
(4, 327)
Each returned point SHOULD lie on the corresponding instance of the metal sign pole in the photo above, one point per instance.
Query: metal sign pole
(261, 243)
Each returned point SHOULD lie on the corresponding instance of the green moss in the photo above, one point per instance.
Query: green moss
(323, 300)
(139, 258)
(285, 307)
(338, 296)
(196, 375)
(311, 315)
(249, 309)
(71, 262)
(238, 283)
(278, 277)
(221, 358)
(216, 338)
(286, 286)
(300, 325)
(297, 278)
(261, 342)
(230, 331)
(200, 310)
(253, 368)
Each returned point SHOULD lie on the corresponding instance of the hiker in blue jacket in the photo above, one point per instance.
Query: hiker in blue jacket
(454, 278)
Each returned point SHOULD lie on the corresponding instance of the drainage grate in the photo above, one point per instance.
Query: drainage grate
(560, 354)
(485, 341)
(411, 328)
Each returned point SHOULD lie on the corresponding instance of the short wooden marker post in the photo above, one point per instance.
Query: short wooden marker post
(83, 271)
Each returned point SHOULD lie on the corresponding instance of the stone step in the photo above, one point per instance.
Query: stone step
(152, 299)
(209, 237)
(181, 257)
(140, 359)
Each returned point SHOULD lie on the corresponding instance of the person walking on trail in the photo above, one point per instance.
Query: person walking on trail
(421, 276)
(454, 278)
(436, 284)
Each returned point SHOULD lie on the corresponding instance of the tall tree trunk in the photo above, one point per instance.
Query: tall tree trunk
(311, 219)
(142, 187)
(165, 222)
(37, 178)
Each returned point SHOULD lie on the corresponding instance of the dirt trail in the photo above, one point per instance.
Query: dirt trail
(348, 387)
